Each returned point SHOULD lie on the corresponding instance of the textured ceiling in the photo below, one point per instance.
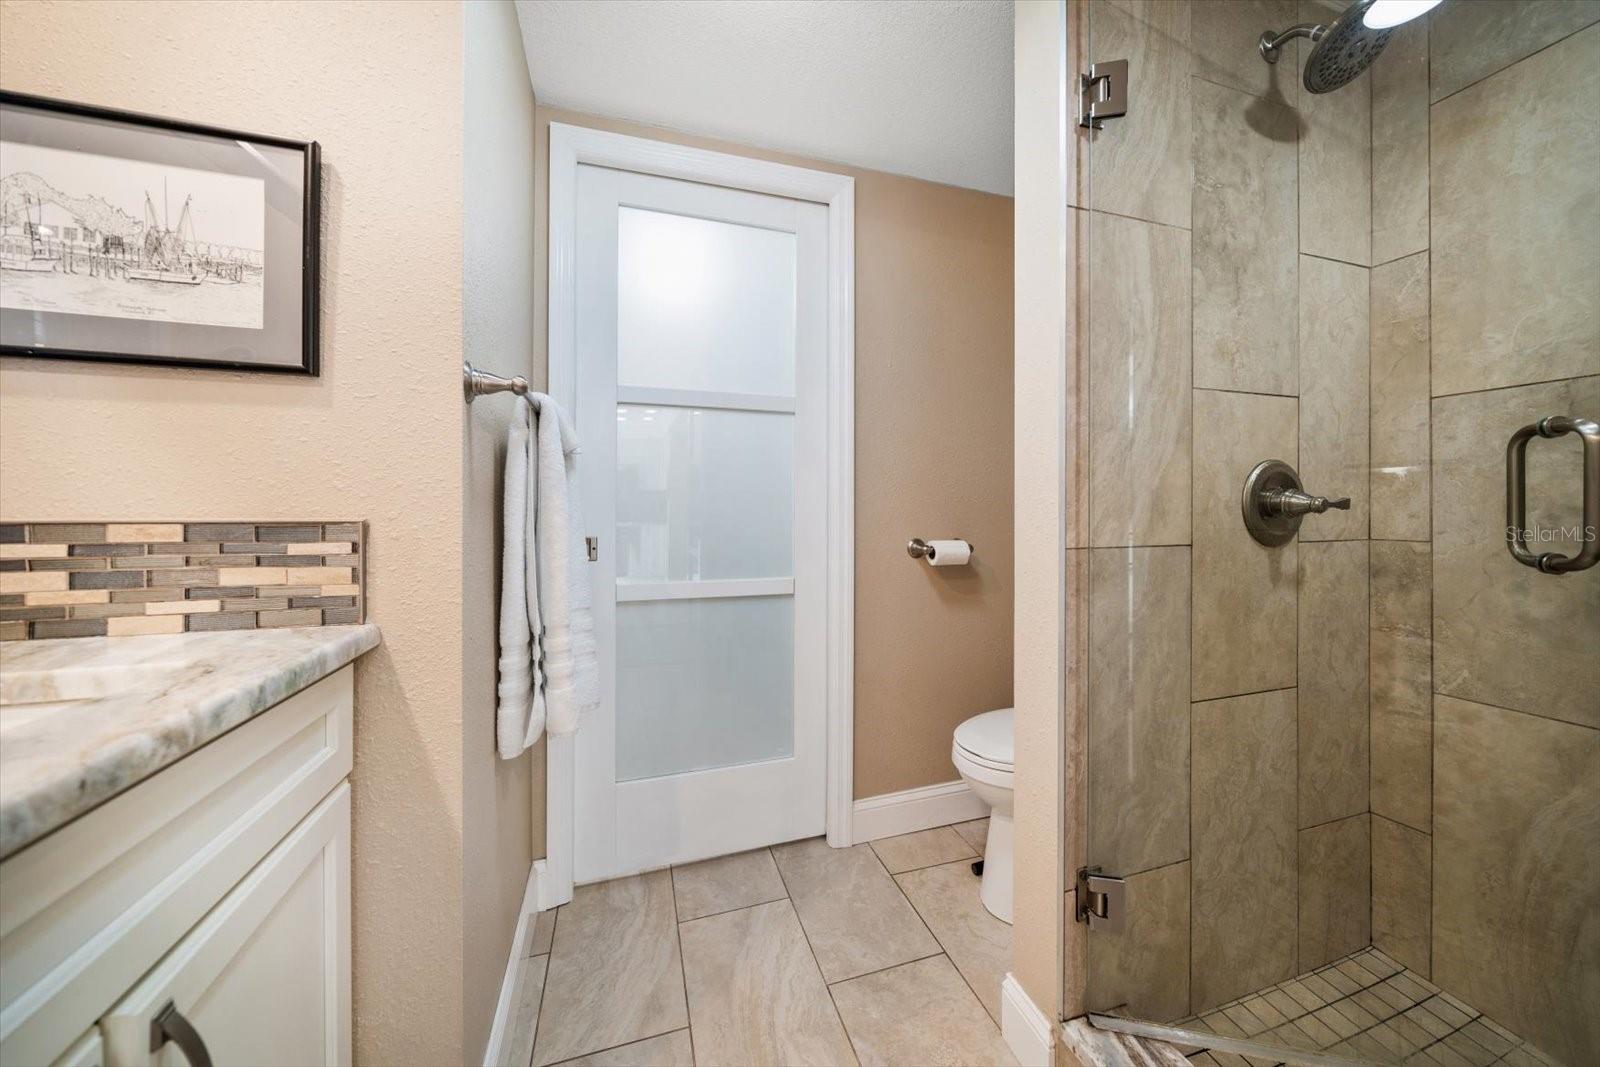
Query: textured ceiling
(918, 87)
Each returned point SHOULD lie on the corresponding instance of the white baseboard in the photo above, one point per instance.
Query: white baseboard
(1027, 1030)
(892, 814)
(494, 1051)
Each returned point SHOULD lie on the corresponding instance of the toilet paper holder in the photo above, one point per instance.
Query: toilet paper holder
(917, 548)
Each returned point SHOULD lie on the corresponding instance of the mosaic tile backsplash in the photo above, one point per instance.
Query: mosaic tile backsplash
(93, 579)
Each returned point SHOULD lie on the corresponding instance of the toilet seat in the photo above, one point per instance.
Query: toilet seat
(986, 740)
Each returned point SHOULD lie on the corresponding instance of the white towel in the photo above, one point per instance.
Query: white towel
(549, 674)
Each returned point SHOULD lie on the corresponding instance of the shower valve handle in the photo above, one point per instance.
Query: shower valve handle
(1297, 502)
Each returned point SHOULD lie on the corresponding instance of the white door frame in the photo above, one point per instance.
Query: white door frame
(574, 145)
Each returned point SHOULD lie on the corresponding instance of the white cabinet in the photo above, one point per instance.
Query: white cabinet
(220, 885)
(264, 978)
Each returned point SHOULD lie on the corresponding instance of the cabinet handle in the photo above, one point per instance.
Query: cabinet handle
(1517, 495)
(170, 1025)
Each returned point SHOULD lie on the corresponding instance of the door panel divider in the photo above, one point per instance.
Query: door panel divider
(703, 398)
(713, 589)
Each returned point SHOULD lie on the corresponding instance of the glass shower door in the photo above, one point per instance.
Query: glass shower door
(1351, 778)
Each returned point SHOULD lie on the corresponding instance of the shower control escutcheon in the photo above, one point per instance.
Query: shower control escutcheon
(1274, 503)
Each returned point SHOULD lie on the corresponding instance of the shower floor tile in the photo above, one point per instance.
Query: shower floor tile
(1366, 1007)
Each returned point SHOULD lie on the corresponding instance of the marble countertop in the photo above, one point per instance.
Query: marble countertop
(84, 718)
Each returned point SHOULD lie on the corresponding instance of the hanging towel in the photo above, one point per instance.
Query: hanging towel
(549, 674)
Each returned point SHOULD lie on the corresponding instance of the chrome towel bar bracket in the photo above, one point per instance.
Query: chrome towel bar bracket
(1517, 532)
(476, 383)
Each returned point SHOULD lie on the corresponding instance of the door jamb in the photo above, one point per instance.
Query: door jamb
(573, 145)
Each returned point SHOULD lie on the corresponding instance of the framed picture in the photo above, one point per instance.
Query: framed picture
(145, 240)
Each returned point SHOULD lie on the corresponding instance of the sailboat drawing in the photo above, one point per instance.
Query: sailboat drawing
(165, 256)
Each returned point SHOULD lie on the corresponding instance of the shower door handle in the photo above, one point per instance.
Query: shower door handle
(1517, 495)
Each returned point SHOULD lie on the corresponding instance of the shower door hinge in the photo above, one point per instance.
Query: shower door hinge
(592, 545)
(1103, 93)
(1102, 900)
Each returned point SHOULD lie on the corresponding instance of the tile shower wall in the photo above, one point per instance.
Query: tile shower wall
(1485, 788)
(97, 579)
(1230, 245)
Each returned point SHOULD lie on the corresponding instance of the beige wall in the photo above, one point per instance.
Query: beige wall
(933, 426)
(377, 436)
(497, 324)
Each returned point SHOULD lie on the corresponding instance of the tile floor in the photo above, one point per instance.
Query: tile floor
(1366, 1007)
(797, 954)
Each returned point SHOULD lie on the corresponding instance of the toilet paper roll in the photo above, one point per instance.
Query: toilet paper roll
(949, 553)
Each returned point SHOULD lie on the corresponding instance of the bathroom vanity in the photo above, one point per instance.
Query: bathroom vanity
(175, 847)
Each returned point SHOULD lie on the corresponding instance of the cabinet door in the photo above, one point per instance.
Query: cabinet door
(265, 976)
(88, 1051)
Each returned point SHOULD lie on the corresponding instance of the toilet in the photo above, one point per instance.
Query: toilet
(984, 755)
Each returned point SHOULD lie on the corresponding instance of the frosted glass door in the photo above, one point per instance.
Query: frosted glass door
(701, 376)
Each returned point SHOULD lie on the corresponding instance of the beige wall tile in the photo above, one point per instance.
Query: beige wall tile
(1142, 169)
(1516, 221)
(1243, 820)
(32, 581)
(855, 917)
(1333, 680)
(68, 596)
(182, 607)
(1400, 144)
(143, 531)
(1517, 874)
(977, 943)
(1335, 341)
(1504, 634)
(615, 975)
(1146, 965)
(1138, 707)
(755, 995)
(726, 883)
(1244, 593)
(132, 625)
(920, 1013)
(1335, 890)
(1244, 241)
(1402, 894)
(318, 575)
(1140, 379)
(24, 551)
(1473, 41)
(317, 548)
(258, 575)
(1402, 682)
(1225, 32)
(1400, 357)
(1335, 162)
(1402, 679)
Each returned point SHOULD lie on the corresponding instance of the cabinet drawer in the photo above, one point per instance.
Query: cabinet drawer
(86, 911)
(265, 977)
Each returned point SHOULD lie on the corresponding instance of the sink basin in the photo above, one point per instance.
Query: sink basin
(67, 684)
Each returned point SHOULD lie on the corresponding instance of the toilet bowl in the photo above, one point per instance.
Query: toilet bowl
(984, 756)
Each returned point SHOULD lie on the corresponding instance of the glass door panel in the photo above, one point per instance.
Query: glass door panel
(704, 494)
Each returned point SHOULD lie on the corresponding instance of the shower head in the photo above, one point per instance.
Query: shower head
(1342, 48)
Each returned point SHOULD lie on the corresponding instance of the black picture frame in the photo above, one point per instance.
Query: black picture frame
(309, 332)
